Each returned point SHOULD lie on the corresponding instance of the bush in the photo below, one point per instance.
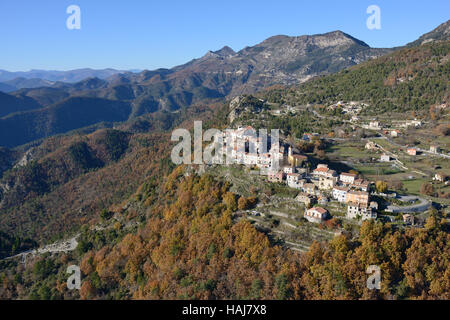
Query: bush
(427, 189)
(247, 203)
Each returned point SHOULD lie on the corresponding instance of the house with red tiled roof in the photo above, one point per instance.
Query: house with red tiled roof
(324, 171)
(316, 214)
(361, 184)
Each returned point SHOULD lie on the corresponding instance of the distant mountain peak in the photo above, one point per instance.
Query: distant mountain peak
(329, 39)
(441, 33)
(341, 37)
(225, 51)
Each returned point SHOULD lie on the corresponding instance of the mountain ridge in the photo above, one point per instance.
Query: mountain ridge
(222, 74)
(74, 75)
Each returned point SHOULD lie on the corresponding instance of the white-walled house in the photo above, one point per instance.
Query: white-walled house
(293, 179)
(435, 149)
(347, 178)
(326, 183)
(289, 169)
(340, 194)
(316, 214)
(374, 125)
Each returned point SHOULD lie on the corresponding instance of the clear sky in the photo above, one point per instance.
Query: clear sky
(148, 34)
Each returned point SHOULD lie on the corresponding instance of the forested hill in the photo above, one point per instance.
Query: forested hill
(190, 248)
(408, 79)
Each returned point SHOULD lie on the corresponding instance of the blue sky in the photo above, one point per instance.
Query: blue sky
(147, 34)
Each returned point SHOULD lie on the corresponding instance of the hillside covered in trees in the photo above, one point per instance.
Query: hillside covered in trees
(190, 247)
(150, 230)
(409, 79)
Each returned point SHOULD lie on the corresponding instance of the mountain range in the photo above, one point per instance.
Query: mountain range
(53, 75)
(278, 60)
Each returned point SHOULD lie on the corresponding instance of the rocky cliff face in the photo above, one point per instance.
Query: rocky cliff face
(441, 33)
(225, 73)
(277, 60)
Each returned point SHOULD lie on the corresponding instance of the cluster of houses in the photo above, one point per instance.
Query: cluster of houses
(244, 146)
(351, 107)
(315, 187)
(377, 126)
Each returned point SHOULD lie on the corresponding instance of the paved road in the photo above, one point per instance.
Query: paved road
(418, 149)
(422, 206)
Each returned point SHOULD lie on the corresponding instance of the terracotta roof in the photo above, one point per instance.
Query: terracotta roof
(319, 209)
(348, 174)
(299, 156)
(361, 193)
(361, 182)
(275, 172)
(293, 174)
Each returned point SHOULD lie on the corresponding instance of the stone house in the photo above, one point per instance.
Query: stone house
(307, 199)
(357, 209)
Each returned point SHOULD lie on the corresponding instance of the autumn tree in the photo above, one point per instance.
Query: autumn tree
(246, 203)
(427, 189)
(229, 199)
(381, 186)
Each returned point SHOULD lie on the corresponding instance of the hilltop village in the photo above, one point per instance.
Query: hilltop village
(340, 184)
(317, 187)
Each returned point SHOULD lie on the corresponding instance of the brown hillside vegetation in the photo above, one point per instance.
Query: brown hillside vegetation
(73, 177)
(190, 247)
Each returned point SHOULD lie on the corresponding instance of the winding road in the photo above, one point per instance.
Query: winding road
(422, 206)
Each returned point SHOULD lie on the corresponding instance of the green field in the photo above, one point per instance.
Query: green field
(348, 150)
(377, 169)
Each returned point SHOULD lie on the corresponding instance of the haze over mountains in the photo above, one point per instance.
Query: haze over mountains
(44, 108)
(65, 76)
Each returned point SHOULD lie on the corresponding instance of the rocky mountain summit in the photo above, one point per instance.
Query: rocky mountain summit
(441, 33)
(278, 60)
